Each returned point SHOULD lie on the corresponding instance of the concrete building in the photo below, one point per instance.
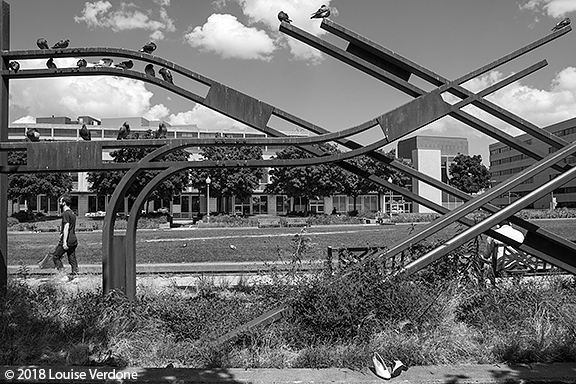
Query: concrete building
(432, 155)
(190, 203)
(505, 162)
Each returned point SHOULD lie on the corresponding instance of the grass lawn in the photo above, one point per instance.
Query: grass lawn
(251, 244)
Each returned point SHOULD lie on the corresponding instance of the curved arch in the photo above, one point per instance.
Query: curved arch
(130, 243)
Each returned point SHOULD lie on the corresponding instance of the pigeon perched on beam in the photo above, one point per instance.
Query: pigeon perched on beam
(149, 70)
(61, 44)
(161, 132)
(50, 64)
(149, 47)
(563, 24)
(124, 131)
(85, 133)
(32, 134)
(104, 63)
(166, 75)
(14, 66)
(283, 16)
(42, 43)
(125, 64)
(81, 63)
(321, 13)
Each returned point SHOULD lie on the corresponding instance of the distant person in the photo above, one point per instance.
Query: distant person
(334, 212)
(67, 241)
(495, 249)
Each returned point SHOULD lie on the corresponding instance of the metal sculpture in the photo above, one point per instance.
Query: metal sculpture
(119, 257)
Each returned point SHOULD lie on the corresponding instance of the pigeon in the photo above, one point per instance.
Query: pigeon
(125, 64)
(283, 16)
(161, 132)
(149, 69)
(14, 65)
(563, 24)
(232, 246)
(32, 134)
(81, 63)
(321, 13)
(166, 75)
(124, 131)
(61, 44)
(85, 133)
(50, 64)
(149, 47)
(398, 368)
(42, 43)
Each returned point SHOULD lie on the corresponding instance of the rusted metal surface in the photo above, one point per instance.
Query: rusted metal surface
(4, 109)
(57, 156)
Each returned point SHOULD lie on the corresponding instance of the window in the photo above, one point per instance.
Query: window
(317, 206)
(281, 204)
(241, 206)
(260, 205)
(340, 203)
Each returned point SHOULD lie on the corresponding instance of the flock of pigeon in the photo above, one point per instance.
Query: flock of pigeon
(322, 13)
(32, 134)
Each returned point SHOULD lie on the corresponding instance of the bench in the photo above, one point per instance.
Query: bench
(297, 222)
(267, 222)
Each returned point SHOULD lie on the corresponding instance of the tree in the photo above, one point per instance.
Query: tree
(29, 185)
(105, 182)
(355, 185)
(229, 182)
(310, 182)
(468, 174)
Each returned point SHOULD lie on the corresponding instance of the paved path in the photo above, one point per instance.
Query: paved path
(461, 374)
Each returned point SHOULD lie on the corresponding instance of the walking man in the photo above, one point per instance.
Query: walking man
(67, 242)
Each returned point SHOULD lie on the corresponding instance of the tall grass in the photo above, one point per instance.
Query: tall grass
(438, 316)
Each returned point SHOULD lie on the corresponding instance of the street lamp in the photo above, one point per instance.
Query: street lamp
(208, 181)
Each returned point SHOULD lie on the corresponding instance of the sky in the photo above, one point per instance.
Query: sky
(238, 43)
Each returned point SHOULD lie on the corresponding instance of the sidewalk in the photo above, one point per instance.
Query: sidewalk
(463, 374)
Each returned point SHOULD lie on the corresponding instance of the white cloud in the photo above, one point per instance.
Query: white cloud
(204, 118)
(226, 36)
(552, 8)
(99, 14)
(97, 96)
(157, 112)
(25, 120)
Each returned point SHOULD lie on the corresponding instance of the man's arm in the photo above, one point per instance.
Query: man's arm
(65, 235)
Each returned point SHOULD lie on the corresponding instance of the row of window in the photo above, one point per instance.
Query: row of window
(511, 171)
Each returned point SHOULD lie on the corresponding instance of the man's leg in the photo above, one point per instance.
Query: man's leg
(72, 260)
(57, 257)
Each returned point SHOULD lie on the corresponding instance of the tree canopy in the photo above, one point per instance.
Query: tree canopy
(311, 182)
(29, 185)
(229, 182)
(468, 174)
(105, 182)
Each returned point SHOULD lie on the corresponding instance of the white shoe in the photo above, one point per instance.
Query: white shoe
(380, 368)
(398, 368)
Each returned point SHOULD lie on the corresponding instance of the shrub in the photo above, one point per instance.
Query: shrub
(12, 221)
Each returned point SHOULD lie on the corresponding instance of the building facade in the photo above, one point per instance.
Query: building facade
(506, 162)
(192, 202)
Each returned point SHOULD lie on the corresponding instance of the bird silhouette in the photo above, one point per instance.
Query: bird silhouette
(283, 16)
(161, 132)
(50, 64)
(32, 134)
(14, 66)
(61, 44)
(42, 43)
(562, 24)
(125, 64)
(81, 63)
(149, 70)
(149, 47)
(166, 75)
(124, 131)
(321, 13)
(85, 133)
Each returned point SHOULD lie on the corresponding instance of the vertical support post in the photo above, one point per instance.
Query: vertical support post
(4, 110)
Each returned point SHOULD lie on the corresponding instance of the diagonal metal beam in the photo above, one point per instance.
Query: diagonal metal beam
(567, 260)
